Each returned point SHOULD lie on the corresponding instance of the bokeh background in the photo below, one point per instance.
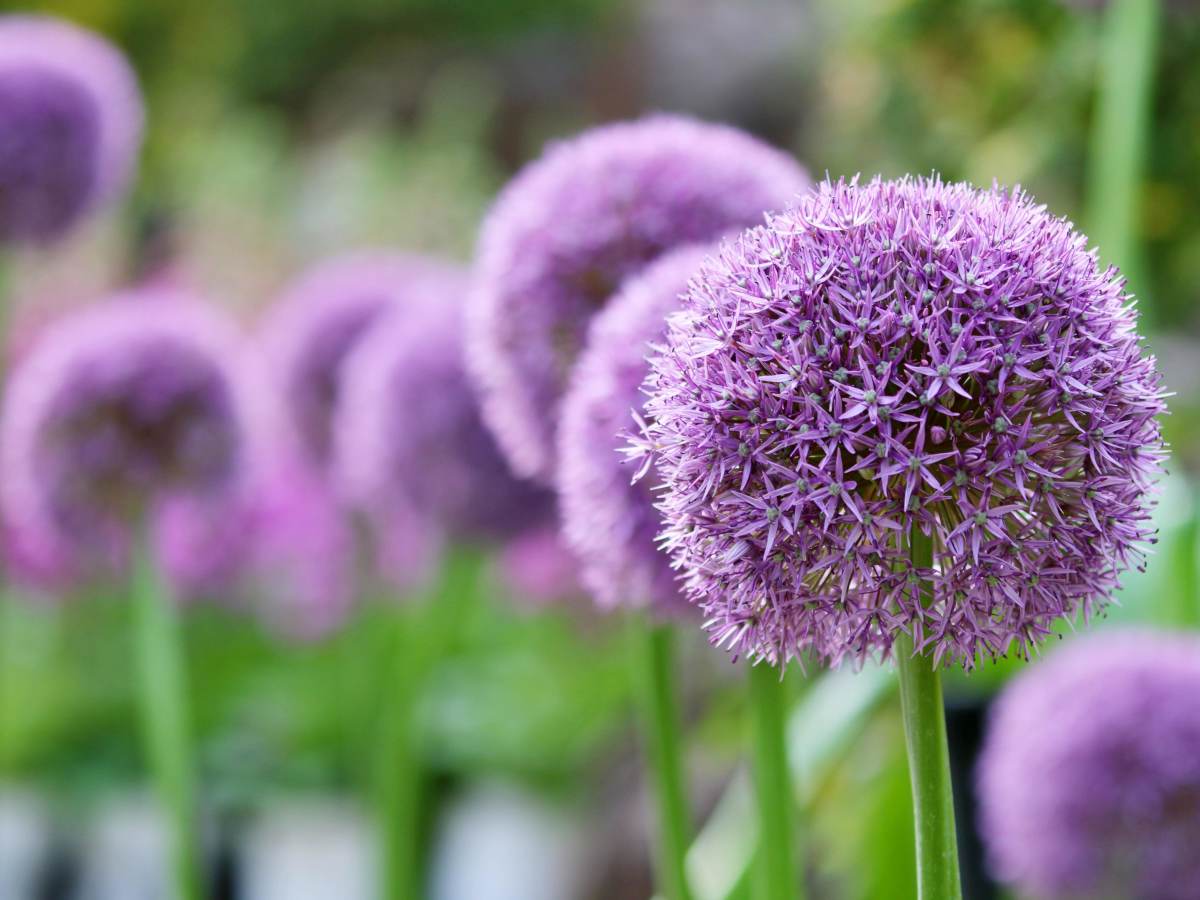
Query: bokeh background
(283, 132)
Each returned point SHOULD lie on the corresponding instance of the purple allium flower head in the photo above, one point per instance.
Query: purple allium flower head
(1089, 781)
(70, 125)
(538, 568)
(325, 314)
(120, 406)
(571, 226)
(609, 521)
(303, 555)
(891, 357)
(202, 543)
(409, 436)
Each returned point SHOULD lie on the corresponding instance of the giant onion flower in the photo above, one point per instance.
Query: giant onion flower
(610, 521)
(410, 442)
(1089, 781)
(892, 359)
(118, 408)
(567, 231)
(322, 317)
(70, 125)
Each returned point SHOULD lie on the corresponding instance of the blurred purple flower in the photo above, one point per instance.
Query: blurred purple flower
(609, 521)
(203, 543)
(409, 437)
(567, 231)
(70, 125)
(304, 554)
(538, 569)
(898, 356)
(116, 409)
(325, 313)
(1089, 780)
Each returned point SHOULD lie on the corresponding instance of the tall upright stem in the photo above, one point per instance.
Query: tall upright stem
(1119, 133)
(1187, 605)
(421, 633)
(654, 664)
(163, 696)
(928, 757)
(399, 777)
(776, 878)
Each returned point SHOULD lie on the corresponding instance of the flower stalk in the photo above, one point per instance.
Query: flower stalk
(928, 756)
(163, 708)
(653, 647)
(1121, 129)
(421, 634)
(776, 877)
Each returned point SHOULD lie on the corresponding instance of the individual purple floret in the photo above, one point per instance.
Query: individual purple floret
(70, 125)
(409, 435)
(119, 407)
(894, 358)
(326, 313)
(1089, 782)
(567, 231)
(609, 521)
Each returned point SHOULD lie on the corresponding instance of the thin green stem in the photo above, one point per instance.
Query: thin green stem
(422, 633)
(162, 684)
(1120, 131)
(653, 648)
(928, 758)
(399, 777)
(1187, 606)
(776, 878)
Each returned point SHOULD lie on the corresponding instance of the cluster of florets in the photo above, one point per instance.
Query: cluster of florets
(70, 125)
(571, 227)
(324, 315)
(1089, 781)
(118, 407)
(889, 364)
(610, 521)
(410, 439)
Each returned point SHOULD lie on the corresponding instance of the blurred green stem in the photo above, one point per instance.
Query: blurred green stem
(1120, 130)
(422, 633)
(776, 879)
(399, 778)
(928, 757)
(1188, 578)
(653, 648)
(162, 685)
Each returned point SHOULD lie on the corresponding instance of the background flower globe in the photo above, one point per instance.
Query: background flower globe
(410, 440)
(1089, 782)
(119, 407)
(71, 122)
(893, 359)
(571, 226)
(609, 519)
(321, 318)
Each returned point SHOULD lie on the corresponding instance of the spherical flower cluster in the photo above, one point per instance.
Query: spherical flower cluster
(202, 543)
(538, 569)
(1089, 781)
(325, 314)
(116, 408)
(567, 231)
(890, 364)
(70, 125)
(610, 520)
(302, 557)
(409, 437)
